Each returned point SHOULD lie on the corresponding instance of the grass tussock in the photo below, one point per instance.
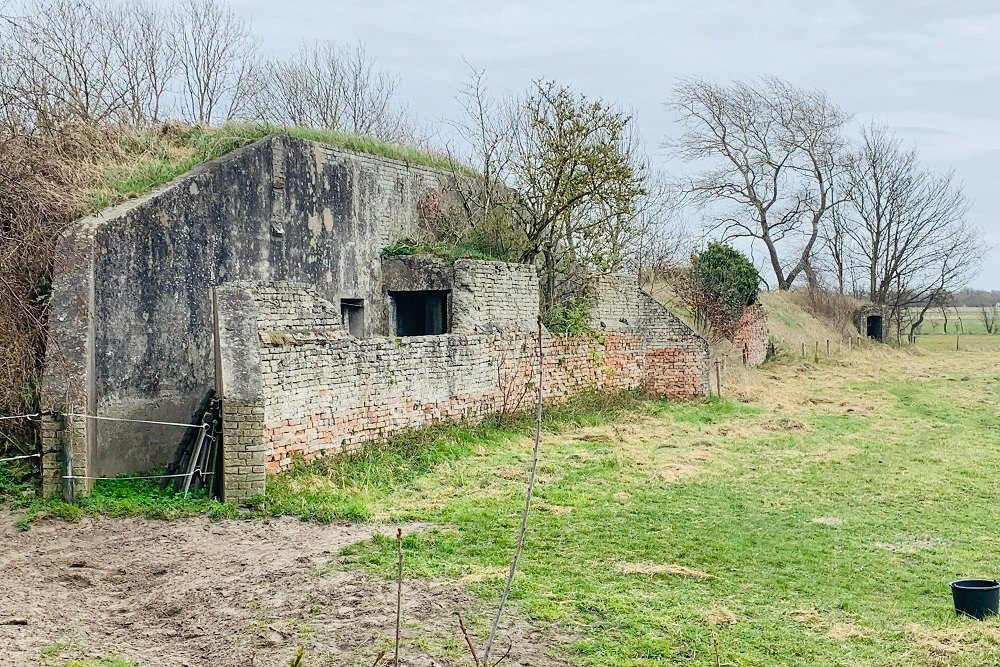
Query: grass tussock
(148, 159)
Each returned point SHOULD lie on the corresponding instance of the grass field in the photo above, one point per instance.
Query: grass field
(966, 320)
(818, 523)
(815, 517)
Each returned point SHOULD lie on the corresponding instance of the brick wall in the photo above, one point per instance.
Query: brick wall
(750, 335)
(322, 395)
(321, 390)
(489, 295)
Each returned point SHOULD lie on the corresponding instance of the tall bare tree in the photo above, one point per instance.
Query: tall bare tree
(909, 236)
(988, 314)
(326, 85)
(149, 62)
(60, 65)
(772, 150)
(215, 51)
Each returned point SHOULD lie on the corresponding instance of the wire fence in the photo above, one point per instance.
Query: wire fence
(79, 415)
(197, 473)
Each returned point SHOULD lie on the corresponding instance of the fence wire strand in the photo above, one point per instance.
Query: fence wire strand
(133, 421)
(31, 416)
(197, 472)
(18, 458)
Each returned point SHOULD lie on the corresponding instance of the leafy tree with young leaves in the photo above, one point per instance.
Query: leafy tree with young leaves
(721, 284)
(565, 171)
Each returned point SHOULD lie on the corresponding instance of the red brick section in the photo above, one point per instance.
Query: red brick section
(498, 376)
(678, 373)
(750, 337)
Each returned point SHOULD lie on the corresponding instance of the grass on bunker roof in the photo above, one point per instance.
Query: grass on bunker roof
(146, 159)
(817, 524)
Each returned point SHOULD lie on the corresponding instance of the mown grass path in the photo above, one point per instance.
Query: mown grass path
(816, 522)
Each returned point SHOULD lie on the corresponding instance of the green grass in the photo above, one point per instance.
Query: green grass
(54, 655)
(149, 160)
(968, 321)
(356, 486)
(124, 496)
(967, 343)
(828, 517)
(350, 487)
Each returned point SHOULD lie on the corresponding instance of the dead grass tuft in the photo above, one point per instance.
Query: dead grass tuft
(660, 446)
(721, 617)
(658, 570)
(936, 643)
(832, 521)
(842, 631)
(913, 545)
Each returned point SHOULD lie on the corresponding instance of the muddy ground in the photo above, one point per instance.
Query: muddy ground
(195, 592)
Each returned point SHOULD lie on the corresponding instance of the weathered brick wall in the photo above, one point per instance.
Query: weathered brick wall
(244, 450)
(322, 391)
(291, 307)
(64, 467)
(322, 395)
(676, 357)
(488, 295)
(750, 335)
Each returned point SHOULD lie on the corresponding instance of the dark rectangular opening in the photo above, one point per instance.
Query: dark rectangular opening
(423, 313)
(352, 316)
(874, 327)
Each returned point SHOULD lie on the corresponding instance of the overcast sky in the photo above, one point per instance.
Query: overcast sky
(928, 68)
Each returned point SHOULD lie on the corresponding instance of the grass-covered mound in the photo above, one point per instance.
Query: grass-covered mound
(144, 160)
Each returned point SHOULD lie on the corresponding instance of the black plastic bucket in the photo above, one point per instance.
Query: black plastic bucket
(977, 598)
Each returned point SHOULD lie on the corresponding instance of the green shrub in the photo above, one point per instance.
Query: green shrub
(721, 284)
(572, 319)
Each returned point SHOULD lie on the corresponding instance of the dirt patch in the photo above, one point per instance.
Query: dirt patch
(193, 592)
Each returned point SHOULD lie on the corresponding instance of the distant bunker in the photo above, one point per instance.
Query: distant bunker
(260, 276)
(870, 321)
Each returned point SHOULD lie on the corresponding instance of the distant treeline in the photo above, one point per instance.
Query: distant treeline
(976, 297)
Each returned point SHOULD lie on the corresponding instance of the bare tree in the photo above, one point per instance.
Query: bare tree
(149, 62)
(60, 65)
(944, 303)
(773, 150)
(215, 52)
(988, 314)
(328, 86)
(909, 235)
(485, 126)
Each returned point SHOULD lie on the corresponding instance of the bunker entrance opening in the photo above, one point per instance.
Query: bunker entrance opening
(352, 316)
(420, 313)
(873, 326)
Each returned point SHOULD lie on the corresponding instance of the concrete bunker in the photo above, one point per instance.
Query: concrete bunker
(871, 322)
(313, 342)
